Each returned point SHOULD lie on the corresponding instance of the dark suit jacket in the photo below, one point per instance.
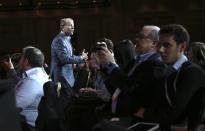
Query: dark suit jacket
(138, 88)
(187, 100)
(9, 120)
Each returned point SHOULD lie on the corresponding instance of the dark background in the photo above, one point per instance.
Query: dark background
(36, 22)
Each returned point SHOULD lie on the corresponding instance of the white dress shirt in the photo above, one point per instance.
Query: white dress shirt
(29, 91)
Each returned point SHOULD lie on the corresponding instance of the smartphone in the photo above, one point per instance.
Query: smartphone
(143, 126)
(99, 45)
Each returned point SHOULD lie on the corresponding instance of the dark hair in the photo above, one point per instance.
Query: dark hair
(108, 42)
(178, 31)
(198, 53)
(124, 52)
(34, 55)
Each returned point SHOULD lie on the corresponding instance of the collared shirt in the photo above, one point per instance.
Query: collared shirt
(144, 57)
(67, 41)
(29, 91)
(179, 62)
(175, 67)
(67, 37)
(138, 60)
(101, 89)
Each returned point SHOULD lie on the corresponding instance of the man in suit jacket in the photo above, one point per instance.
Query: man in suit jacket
(183, 88)
(62, 56)
(142, 75)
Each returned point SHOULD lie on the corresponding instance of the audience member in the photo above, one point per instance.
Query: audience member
(147, 67)
(97, 87)
(10, 66)
(124, 52)
(183, 90)
(196, 53)
(29, 89)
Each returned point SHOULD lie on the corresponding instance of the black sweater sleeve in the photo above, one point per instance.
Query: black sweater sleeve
(188, 83)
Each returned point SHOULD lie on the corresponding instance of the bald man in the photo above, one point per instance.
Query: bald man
(140, 79)
(62, 56)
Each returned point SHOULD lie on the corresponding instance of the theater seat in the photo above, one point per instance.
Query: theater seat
(9, 120)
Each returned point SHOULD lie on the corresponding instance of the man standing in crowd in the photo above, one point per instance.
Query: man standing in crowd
(62, 58)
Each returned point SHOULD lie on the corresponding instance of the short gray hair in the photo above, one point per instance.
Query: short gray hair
(64, 21)
(34, 56)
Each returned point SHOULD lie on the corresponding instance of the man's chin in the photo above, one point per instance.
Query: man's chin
(68, 34)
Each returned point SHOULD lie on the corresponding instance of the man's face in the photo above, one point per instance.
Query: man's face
(93, 61)
(190, 54)
(22, 63)
(143, 44)
(68, 28)
(168, 48)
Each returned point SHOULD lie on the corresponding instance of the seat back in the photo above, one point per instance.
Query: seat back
(51, 107)
(9, 120)
(196, 109)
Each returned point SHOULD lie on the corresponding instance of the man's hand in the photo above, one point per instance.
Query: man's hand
(105, 56)
(84, 55)
(88, 91)
(7, 64)
(140, 113)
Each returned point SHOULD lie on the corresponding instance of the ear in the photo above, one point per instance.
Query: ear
(154, 43)
(183, 47)
(26, 63)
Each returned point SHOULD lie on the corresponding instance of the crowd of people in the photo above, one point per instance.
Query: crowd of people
(157, 78)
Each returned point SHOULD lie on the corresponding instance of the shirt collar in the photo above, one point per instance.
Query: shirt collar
(179, 62)
(31, 71)
(144, 57)
(67, 36)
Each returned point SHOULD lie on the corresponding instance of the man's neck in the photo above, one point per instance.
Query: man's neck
(27, 68)
(67, 34)
(178, 63)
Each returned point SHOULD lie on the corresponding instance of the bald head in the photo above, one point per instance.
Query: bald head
(146, 39)
(148, 28)
(151, 31)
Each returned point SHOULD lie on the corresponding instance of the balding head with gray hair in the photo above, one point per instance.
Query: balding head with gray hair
(146, 40)
(151, 31)
(67, 26)
(64, 21)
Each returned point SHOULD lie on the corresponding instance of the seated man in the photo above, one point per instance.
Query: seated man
(29, 89)
(183, 89)
(97, 86)
(140, 80)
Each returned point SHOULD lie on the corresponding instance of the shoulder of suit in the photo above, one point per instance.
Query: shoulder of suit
(189, 65)
(155, 56)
